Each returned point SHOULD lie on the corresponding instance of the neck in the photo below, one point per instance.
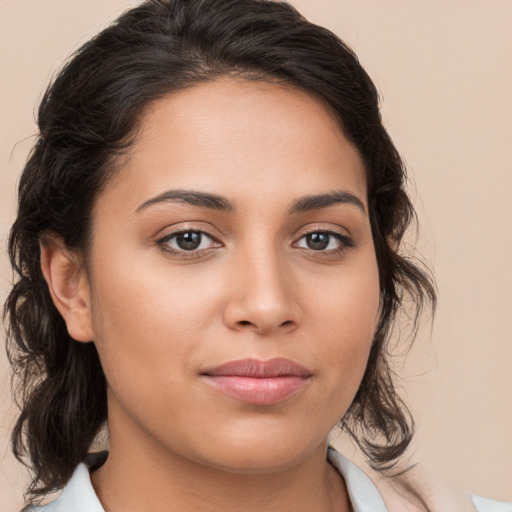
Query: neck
(141, 474)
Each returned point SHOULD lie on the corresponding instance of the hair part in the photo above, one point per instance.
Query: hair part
(87, 120)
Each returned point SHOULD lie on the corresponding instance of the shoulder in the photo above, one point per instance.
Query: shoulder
(417, 490)
(420, 491)
(488, 505)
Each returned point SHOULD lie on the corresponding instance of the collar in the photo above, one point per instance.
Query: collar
(79, 496)
(363, 494)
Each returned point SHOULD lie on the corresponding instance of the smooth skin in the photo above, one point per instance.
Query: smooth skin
(280, 263)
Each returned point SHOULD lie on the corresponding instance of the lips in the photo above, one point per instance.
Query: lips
(258, 382)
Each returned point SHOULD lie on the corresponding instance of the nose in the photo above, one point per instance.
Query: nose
(262, 295)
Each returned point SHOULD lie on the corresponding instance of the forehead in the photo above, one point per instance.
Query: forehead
(230, 135)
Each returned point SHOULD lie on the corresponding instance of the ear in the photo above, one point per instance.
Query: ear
(69, 287)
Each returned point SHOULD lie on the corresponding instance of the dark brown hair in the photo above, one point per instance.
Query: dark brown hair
(88, 117)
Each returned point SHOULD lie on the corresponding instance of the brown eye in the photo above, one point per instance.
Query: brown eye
(317, 241)
(187, 241)
(326, 241)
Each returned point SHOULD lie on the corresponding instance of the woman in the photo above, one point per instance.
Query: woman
(208, 255)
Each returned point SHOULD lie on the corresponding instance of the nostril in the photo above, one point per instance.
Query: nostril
(247, 323)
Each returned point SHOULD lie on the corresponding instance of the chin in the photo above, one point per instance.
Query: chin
(253, 452)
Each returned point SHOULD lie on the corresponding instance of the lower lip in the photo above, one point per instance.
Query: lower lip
(258, 391)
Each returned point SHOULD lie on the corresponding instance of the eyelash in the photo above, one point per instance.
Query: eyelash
(183, 253)
(345, 242)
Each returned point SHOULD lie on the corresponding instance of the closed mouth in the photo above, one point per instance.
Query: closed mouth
(258, 382)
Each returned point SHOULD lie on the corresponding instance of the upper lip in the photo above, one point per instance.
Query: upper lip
(255, 368)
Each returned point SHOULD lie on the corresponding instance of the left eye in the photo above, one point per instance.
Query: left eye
(322, 241)
(188, 241)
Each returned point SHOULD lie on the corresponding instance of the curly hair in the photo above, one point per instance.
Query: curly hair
(87, 119)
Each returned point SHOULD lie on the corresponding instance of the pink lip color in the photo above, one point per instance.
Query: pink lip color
(259, 382)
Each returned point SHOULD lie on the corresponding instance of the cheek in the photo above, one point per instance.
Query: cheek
(345, 321)
(149, 322)
(349, 303)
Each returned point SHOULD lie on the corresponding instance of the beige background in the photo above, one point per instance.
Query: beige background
(443, 67)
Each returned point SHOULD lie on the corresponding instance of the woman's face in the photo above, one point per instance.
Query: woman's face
(233, 282)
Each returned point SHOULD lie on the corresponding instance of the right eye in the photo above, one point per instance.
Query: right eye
(187, 241)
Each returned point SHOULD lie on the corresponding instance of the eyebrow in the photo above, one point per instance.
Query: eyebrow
(220, 203)
(203, 199)
(317, 202)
